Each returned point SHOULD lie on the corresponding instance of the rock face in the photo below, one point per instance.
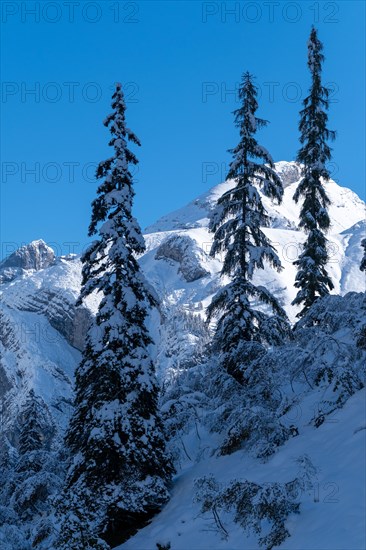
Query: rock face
(289, 172)
(70, 321)
(185, 251)
(33, 256)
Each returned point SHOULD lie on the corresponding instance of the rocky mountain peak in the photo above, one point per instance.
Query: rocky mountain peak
(33, 256)
(289, 172)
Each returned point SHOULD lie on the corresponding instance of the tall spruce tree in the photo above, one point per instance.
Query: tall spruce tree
(237, 225)
(312, 277)
(120, 472)
(32, 424)
(363, 261)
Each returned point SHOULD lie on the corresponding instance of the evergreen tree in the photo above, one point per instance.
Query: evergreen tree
(120, 472)
(363, 261)
(31, 476)
(32, 422)
(237, 225)
(312, 278)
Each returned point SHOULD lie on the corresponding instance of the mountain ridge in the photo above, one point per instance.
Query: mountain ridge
(176, 263)
(43, 333)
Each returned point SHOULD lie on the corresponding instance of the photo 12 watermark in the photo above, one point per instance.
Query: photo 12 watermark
(69, 91)
(70, 11)
(213, 172)
(288, 252)
(271, 91)
(269, 12)
(65, 249)
(52, 172)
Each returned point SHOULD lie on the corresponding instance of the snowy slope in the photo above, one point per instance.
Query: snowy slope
(332, 515)
(333, 510)
(34, 355)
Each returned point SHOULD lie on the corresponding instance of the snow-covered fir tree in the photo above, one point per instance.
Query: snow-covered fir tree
(31, 476)
(363, 261)
(237, 223)
(312, 278)
(120, 472)
(31, 434)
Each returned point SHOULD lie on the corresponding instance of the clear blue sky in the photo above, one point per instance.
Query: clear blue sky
(179, 62)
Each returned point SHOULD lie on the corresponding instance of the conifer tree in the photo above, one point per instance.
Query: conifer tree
(312, 278)
(32, 424)
(28, 489)
(363, 261)
(120, 472)
(237, 225)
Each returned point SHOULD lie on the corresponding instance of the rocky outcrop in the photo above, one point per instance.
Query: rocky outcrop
(184, 250)
(289, 172)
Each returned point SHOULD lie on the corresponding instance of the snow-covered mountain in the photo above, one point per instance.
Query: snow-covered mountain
(42, 333)
(347, 212)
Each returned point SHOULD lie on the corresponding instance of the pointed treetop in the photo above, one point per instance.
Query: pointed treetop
(117, 187)
(245, 118)
(315, 47)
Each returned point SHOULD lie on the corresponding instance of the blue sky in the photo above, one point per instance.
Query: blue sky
(179, 63)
